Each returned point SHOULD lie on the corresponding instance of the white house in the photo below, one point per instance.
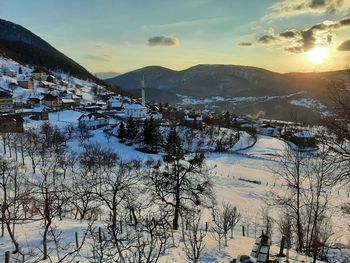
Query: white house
(135, 111)
(93, 120)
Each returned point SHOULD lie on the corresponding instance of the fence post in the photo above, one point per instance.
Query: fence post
(7, 257)
(76, 240)
(243, 232)
(99, 235)
(282, 246)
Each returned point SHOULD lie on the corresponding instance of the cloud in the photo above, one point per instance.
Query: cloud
(299, 41)
(163, 41)
(96, 58)
(345, 46)
(245, 44)
(268, 39)
(287, 8)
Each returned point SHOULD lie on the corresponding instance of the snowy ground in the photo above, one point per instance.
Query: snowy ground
(253, 163)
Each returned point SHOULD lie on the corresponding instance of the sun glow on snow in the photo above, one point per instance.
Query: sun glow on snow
(317, 55)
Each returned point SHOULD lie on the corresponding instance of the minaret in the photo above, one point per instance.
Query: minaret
(143, 91)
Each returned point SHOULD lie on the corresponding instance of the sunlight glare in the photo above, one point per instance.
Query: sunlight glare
(317, 55)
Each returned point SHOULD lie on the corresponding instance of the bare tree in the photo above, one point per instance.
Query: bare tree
(193, 237)
(226, 218)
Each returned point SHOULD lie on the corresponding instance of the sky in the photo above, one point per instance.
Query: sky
(124, 35)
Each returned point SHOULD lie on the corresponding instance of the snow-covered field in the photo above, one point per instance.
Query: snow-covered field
(252, 163)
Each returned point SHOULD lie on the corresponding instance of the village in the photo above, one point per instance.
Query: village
(31, 94)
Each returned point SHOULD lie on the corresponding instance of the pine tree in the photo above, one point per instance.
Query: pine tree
(20, 72)
(155, 137)
(122, 132)
(131, 130)
(183, 182)
(146, 133)
(173, 147)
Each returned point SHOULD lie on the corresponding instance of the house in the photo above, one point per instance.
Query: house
(51, 79)
(269, 130)
(115, 104)
(194, 119)
(304, 139)
(10, 72)
(76, 99)
(135, 111)
(68, 103)
(40, 113)
(39, 74)
(156, 115)
(46, 84)
(32, 101)
(6, 102)
(52, 101)
(25, 82)
(93, 120)
(13, 85)
(12, 123)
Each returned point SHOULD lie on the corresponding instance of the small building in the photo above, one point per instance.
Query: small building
(269, 130)
(39, 74)
(13, 85)
(11, 123)
(6, 102)
(93, 120)
(68, 103)
(40, 113)
(32, 101)
(135, 111)
(10, 72)
(194, 119)
(25, 82)
(115, 105)
(52, 79)
(52, 101)
(156, 115)
(304, 139)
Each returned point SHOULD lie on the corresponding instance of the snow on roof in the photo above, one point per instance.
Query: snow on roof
(116, 104)
(304, 134)
(135, 107)
(67, 100)
(24, 78)
(39, 109)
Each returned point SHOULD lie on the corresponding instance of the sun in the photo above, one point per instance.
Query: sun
(317, 55)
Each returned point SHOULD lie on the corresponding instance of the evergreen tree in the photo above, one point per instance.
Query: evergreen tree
(173, 147)
(146, 133)
(20, 72)
(131, 130)
(122, 132)
(183, 181)
(155, 137)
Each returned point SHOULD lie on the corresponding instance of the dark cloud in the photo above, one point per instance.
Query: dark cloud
(345, 46)
(163, 41)
(299, 41)
(268, 39)
(245, 44)
(287, 8)
(290, 34)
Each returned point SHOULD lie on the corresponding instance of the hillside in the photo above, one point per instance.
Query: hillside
(241, 89)
(23, 46)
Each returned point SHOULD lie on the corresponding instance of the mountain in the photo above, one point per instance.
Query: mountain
(241, 89)
(106, 75)
(23, 46)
